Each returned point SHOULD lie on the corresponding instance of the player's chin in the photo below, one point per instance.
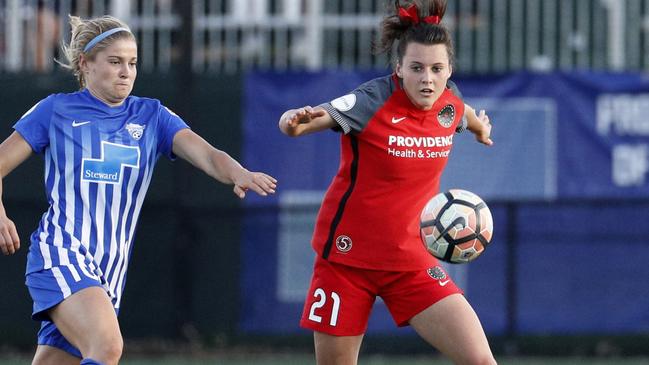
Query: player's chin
(123, 91)
(425, 104)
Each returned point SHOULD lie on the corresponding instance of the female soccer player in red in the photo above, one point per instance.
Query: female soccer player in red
(397, 132)
(100, 146)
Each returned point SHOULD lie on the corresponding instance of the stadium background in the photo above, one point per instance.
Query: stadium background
(563, 81)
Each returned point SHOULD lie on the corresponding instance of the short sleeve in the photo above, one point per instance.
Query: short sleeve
(463, 123)
(353, 111)
(34, 125)
(169, 123)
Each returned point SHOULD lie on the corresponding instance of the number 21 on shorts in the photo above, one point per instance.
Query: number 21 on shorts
(322, 300)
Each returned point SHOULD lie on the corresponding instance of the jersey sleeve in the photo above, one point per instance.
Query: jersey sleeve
(34, 125)
(353, 111)
(463, 123)
(169, 124)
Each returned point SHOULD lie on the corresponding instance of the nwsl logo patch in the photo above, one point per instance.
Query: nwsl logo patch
(344, 103)
(446, 116)
(135, 130)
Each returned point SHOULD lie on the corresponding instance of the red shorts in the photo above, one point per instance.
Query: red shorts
(340, 298)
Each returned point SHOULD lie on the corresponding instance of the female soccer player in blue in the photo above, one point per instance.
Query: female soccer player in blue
(397, 135)
(100, 146)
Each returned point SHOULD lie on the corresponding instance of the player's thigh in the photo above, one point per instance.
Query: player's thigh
(336, 350)
(48, 355)
(408, 293)
(453, 327)
(339, 300)
(87, 319)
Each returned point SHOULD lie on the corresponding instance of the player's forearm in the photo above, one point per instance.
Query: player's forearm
(3, 212)
(223, 167)
(2, 175)
(2, 207)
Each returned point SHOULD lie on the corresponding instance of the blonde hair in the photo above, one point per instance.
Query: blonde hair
(84, 31)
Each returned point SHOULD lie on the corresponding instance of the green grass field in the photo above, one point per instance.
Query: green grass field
(286, 359)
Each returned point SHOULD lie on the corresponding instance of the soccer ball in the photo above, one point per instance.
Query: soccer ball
(456, 226)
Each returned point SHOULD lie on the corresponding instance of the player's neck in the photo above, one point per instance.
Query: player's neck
(103, 99)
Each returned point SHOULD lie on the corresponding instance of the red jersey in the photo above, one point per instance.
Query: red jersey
(392, 158)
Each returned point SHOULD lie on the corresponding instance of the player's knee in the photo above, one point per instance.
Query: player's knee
(337, 359)
(479, 359)
(114, 348)
(109, 351)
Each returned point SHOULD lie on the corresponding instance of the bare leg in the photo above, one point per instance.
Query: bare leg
(48, 355)
(87, 319)
(336, 350)
(453, 327)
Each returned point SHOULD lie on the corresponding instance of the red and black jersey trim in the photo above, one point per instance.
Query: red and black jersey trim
(353, 173)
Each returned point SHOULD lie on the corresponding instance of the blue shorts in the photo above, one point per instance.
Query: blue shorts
(49, 335)
(48, 288)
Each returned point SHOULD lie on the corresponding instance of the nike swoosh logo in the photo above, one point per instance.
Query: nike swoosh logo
(77, 124)
(397, 120)
(443, 283)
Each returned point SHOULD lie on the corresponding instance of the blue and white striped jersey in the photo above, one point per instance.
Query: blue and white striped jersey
(98, 165)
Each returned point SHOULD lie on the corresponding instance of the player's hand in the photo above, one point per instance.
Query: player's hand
(259, 182)
(483, 134)
(9, 241)
(302, 116)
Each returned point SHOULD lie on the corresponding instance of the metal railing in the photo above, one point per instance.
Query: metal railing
(229, 36)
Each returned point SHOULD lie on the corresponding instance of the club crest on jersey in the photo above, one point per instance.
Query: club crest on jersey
(446, 116)
(344, 103)
(437, 273)
(135, 130)
(343, 243)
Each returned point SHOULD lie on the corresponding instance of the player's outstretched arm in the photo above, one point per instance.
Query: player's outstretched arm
(478, 124)
(305, 120)
(13, 151)
(194, 149)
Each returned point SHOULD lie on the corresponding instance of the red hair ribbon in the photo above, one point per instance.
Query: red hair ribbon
(411, 14)
(433, 19)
